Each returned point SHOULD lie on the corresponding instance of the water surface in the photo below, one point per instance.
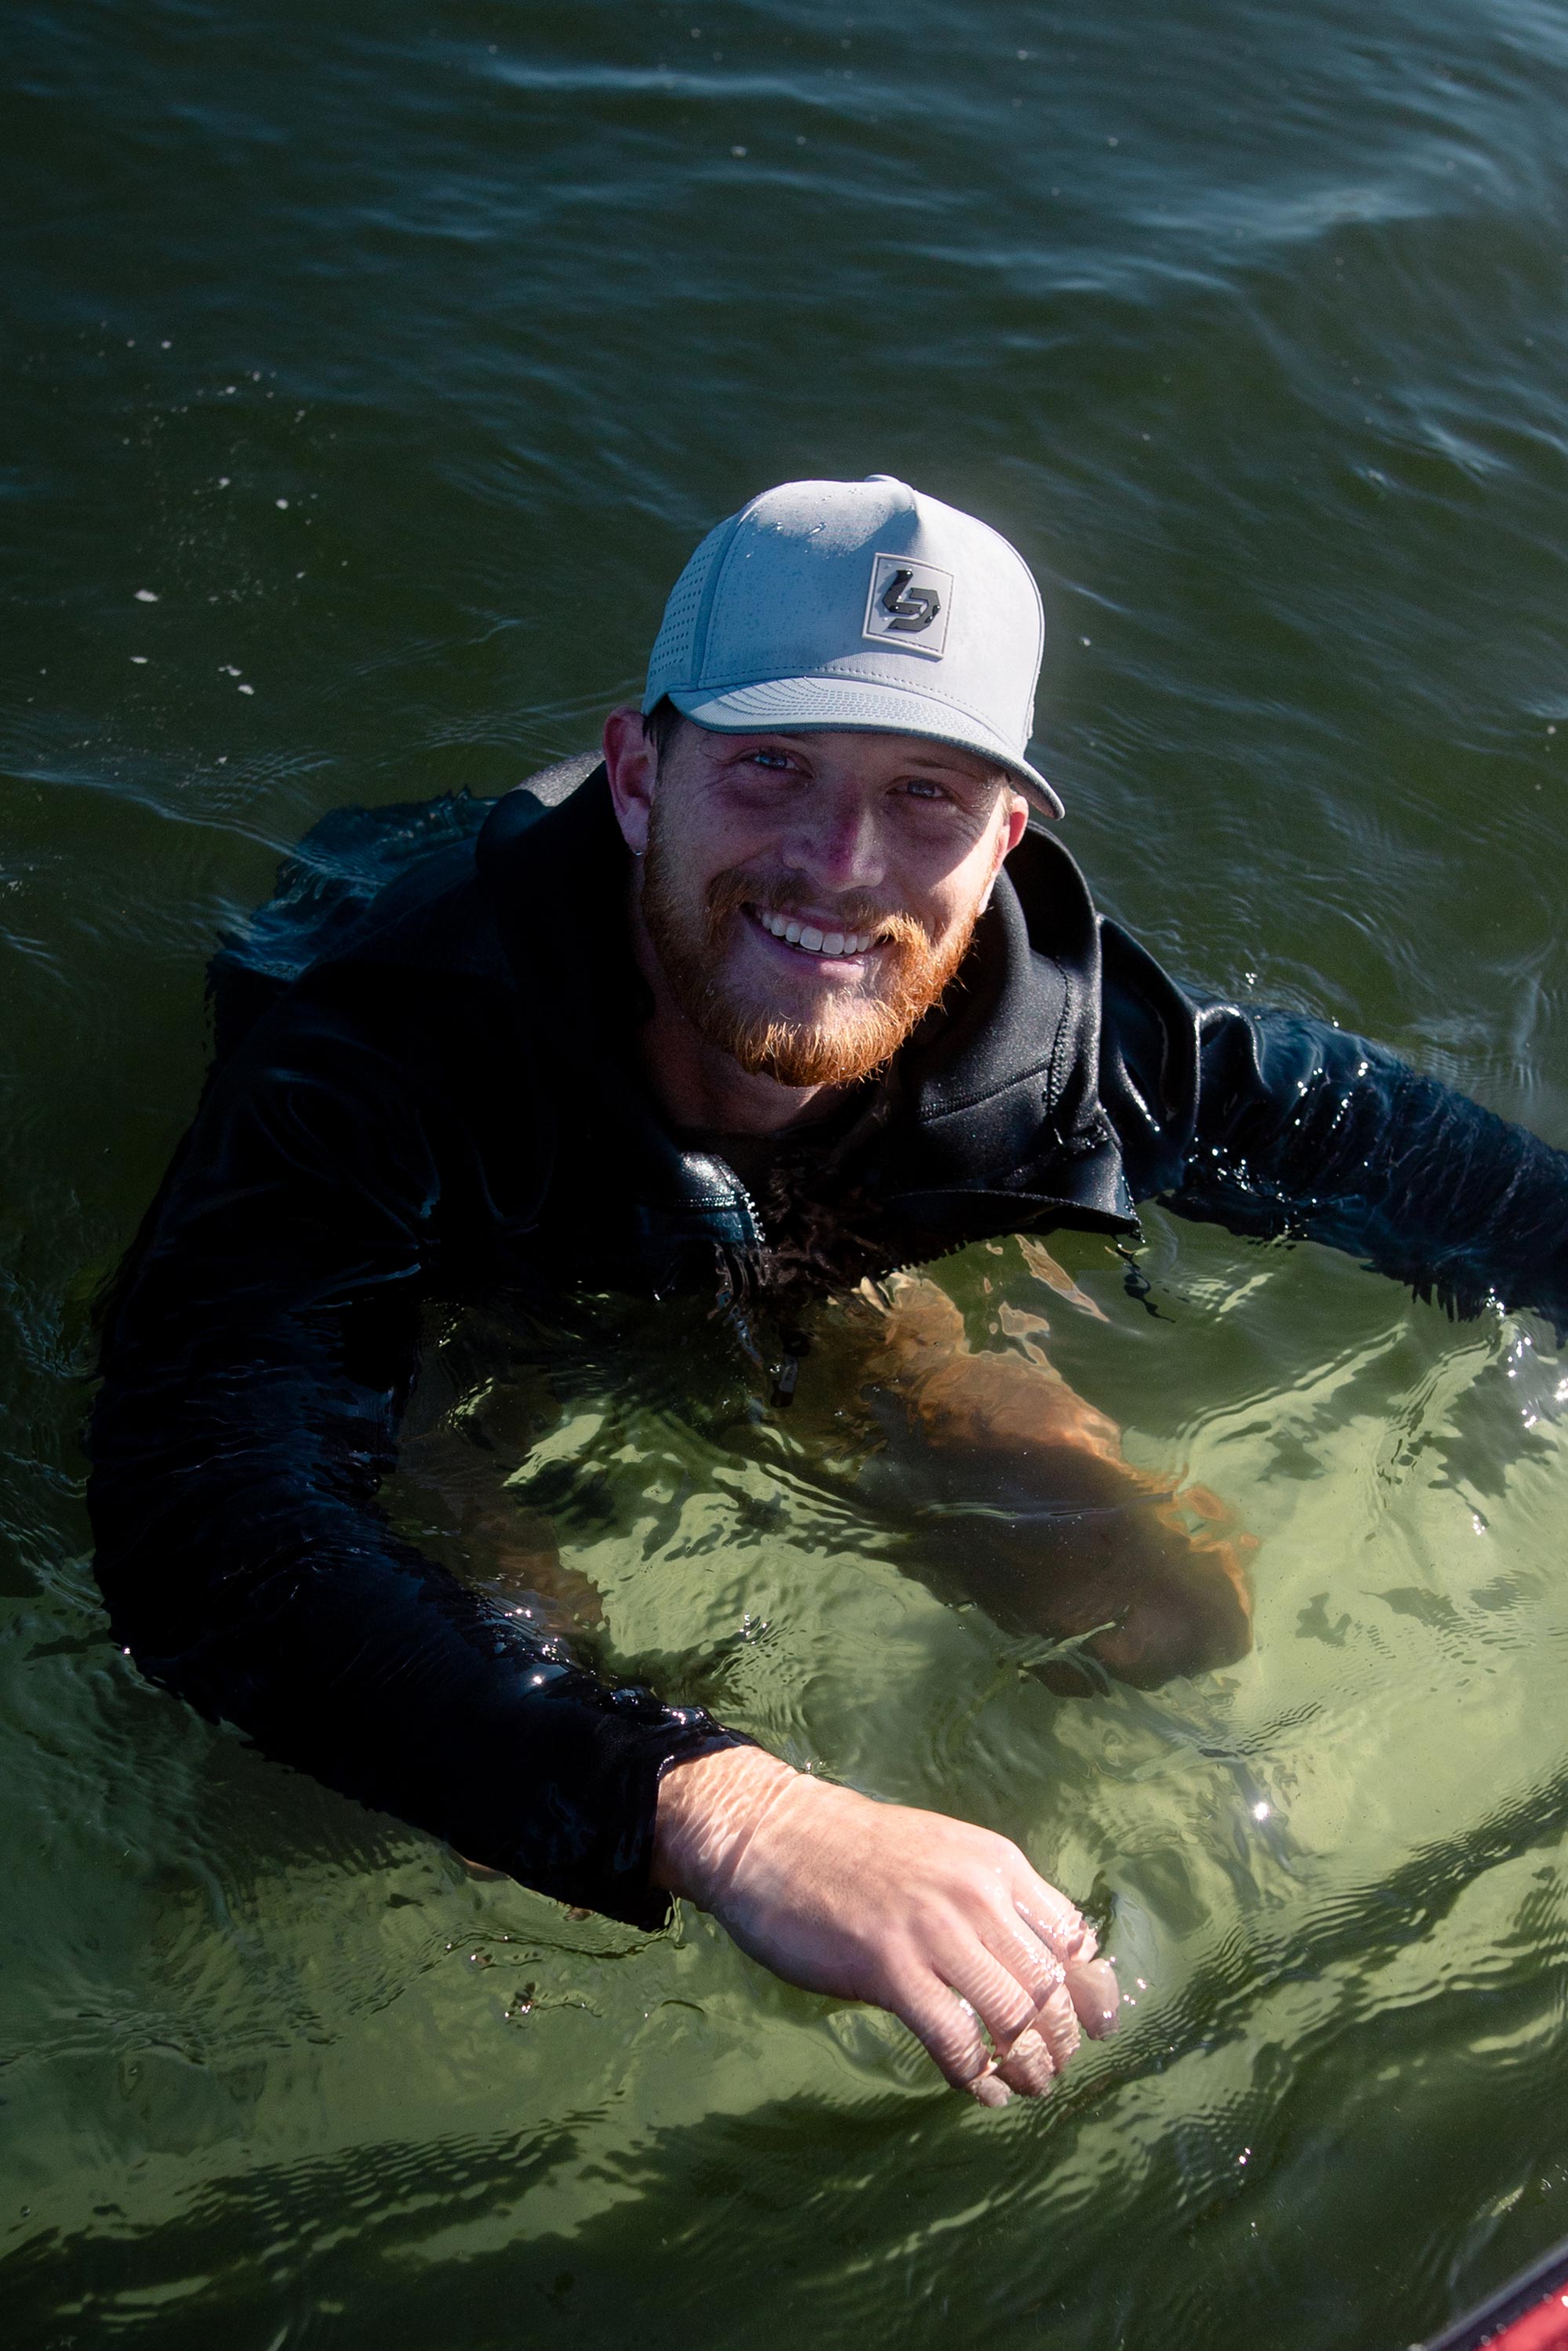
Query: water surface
(369, 373)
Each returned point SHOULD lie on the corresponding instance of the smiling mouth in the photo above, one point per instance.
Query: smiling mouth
(810, 939)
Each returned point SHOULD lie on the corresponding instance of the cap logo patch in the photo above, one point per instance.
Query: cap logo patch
(909, 602)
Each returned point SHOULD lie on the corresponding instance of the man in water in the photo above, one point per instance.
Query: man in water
(795, 989)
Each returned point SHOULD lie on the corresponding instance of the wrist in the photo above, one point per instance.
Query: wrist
(709, 1809)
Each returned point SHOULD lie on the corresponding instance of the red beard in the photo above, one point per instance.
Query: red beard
(864, 1028)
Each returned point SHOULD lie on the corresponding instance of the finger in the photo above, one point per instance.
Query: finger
(1055, 2023)
(1005, 2006)
(1028, 1959)
(1096, 1995)
(1060, 1923)
(951, 2035)
(1029, 2066)
(989, 2089)
(1033, 2031)
(1062, 1927)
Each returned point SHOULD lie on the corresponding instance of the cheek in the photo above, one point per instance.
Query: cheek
(943, 872)
(982, 866)
(956, 898)
(690, 851)
(716, 838)
(733, 839)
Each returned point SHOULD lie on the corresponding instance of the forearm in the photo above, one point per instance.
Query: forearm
(247, 1569)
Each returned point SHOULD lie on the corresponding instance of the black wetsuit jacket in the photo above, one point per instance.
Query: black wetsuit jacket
(449, 1104)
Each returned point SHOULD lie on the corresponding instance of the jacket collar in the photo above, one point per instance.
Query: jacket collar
(1005, 1096)
(556, 880)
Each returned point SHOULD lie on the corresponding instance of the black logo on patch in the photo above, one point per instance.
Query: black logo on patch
(907, 613)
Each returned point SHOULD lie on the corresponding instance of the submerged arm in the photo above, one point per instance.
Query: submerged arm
(255, 1368)
(1300, 1128)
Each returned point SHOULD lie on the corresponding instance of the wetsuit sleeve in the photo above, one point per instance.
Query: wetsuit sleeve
(1271, 1123)
(255, 1365)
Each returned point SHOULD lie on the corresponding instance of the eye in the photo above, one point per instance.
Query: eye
(921, 787)
(776, 760)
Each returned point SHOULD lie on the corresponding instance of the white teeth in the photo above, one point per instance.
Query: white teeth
(806, 934)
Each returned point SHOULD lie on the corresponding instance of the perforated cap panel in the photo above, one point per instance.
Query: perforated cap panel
(672, 662)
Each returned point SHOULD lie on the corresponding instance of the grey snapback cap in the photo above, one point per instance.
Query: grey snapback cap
(862, 605)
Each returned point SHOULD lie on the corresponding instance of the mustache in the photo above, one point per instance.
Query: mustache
(735, 888)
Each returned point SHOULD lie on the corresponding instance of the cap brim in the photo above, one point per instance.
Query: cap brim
(858, 705)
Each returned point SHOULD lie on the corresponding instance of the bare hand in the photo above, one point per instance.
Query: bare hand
(944, 1924)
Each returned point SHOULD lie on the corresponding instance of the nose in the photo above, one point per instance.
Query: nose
(837, 842)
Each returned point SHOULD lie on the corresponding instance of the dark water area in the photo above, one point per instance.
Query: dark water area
(369, 373)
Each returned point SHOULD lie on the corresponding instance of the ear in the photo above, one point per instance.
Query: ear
(1011, 832)
(1017, 824)
(632, 765)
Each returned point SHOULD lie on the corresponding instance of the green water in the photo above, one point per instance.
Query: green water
(401, 354)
